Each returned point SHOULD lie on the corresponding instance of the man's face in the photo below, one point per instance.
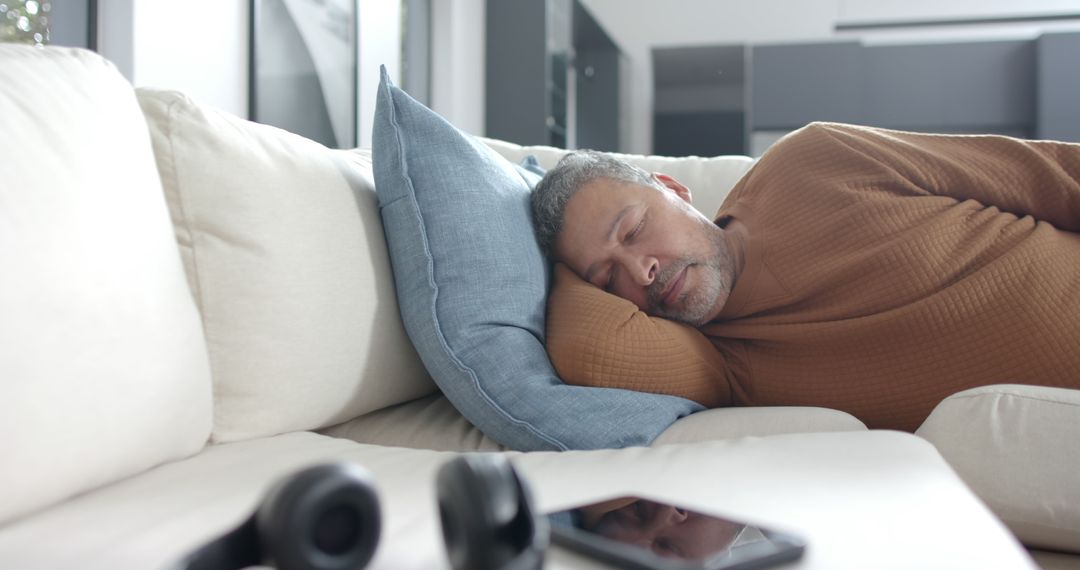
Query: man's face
(648, 246)
(668, 531)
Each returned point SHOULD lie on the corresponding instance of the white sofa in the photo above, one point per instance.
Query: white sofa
(192, 306)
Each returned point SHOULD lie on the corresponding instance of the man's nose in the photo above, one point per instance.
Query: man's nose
(667, 515)
(659, 520)
(641, 268)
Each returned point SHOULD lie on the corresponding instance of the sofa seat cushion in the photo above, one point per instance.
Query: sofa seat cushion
(285, 254)
(432, 422)
(103, 363)
(732, 423)
(1018, 448)
(862, 500)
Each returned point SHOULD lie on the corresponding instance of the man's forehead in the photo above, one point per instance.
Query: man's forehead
(591, 220)
(590, 210)
(601, 197)
(605, 184)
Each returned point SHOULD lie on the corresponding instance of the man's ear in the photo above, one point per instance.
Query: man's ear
(673, 185)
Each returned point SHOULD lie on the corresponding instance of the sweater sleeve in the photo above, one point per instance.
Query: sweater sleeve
(597, 339)
(1036, 178)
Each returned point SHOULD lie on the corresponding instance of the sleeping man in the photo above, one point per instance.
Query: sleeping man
(871, 271)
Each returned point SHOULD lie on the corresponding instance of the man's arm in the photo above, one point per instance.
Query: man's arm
(1036, 178)
(597, 339)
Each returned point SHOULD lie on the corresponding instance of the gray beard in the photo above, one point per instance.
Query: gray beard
(714, 279)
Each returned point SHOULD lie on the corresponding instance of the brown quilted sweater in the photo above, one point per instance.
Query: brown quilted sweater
(884, 271)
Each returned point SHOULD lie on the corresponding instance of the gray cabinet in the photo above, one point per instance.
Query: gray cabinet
(956, 87)
(598, 73)
(1058, 103)
(700, 100)
(552, 76)
(519, 71)
(1022, 88)
(962, 87)
(793, 85)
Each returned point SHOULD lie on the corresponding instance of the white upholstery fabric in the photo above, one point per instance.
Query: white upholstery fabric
(1018, 448)
(284, 248)
(433, 423)
(430, 422)
(854, 496)
(103, 366)
(731, 423)
(709, 179)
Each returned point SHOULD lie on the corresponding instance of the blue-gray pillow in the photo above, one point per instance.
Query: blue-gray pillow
(472, 286)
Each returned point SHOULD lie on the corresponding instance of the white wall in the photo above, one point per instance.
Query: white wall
(116, 34)
(457, 62)
(201, 47)
(380, 44)
(197, 46)
(640, 25)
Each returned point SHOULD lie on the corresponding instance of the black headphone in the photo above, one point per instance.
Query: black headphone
(327, 518)
(487, 517)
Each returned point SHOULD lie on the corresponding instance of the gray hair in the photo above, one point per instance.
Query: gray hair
(572, 173)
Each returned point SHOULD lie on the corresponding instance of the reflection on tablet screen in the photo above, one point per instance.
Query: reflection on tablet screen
(666, 530)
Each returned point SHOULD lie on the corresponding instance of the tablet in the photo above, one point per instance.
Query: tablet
(636, 532)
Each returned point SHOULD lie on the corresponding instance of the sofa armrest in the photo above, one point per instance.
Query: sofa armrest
(1017, 448)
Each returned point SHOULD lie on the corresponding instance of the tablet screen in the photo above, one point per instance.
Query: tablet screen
(667, 531)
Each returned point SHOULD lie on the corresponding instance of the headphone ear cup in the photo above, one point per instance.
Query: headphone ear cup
(322, 518)
(487, 517)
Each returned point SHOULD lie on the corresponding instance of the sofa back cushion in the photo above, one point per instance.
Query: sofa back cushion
(103, 364)
(285, 254)
(710, 179)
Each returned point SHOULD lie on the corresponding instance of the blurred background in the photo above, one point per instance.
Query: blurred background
(673, 77)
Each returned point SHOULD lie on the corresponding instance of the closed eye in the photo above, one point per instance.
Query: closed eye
(610, 281)
(636, 231)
